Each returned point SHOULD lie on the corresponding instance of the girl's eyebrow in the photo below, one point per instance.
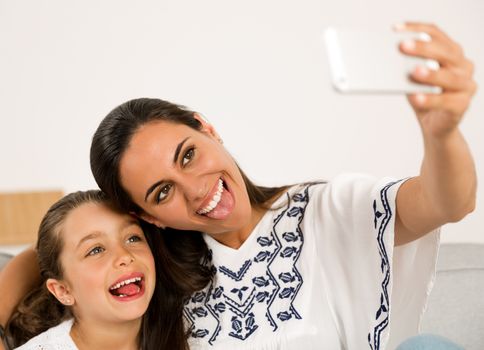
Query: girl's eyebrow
(175, 160)
(88, 237)
(97, 234)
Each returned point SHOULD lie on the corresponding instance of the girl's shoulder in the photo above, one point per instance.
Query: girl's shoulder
(55, 338)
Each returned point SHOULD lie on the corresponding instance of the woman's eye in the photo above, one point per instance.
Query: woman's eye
(188, 156)
(164, 191)
(95, 251)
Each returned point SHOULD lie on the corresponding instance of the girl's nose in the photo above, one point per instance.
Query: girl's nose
(124, 257)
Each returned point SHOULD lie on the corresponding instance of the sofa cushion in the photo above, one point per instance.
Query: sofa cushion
(456, 304)
(4, 258)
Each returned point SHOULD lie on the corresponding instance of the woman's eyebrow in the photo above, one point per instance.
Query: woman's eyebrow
(152, 188)
(175, 160)
(178, 149)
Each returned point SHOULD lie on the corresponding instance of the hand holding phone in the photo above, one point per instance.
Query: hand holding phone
(369, 61)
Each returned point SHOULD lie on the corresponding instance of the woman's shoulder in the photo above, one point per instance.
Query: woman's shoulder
(55, 338)
(346, 186)
(344, 180)
(296, 192)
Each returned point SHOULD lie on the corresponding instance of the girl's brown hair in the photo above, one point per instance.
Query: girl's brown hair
(162, 324)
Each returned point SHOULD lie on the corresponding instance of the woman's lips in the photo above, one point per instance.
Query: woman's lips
(224, 206)
(212, 199)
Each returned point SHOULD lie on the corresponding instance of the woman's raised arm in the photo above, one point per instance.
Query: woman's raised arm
(445, 190)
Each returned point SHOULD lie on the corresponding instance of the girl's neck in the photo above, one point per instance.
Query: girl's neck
(101, 335)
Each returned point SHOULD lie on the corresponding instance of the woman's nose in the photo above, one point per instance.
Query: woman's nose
(195, 189)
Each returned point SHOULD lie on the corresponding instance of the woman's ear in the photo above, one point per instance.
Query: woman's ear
(207, 128)
(150, 219)
(60, 291)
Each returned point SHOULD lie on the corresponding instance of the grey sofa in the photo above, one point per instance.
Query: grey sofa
(456, 304)
(4, 258)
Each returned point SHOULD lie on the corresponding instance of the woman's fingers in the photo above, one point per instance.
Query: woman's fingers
(452, 104)
(441, 47)
(445, 54)
(431, 29)
(455, 75)
(439, 114)
(449, 79)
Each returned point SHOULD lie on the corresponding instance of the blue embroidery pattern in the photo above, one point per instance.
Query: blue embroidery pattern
(239, 275)
(381, 219)
(270, 278)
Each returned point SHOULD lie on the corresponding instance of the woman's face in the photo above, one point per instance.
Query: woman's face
(185, 179)
(109, 271)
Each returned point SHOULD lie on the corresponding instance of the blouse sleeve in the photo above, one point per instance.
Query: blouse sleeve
(377, 293)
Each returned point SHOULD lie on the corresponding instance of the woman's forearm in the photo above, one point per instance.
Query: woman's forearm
(449, 177)
(445, 190)
(17, 278)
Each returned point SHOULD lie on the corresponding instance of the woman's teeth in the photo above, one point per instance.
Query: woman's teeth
(215, 200)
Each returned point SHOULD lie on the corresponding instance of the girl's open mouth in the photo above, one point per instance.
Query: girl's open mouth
(129, 287)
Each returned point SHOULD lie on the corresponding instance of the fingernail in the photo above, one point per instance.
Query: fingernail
(420, 99)
(399, 27)
(422, 71)
(408, 45)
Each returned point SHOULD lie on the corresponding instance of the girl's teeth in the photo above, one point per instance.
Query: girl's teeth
(120, 284)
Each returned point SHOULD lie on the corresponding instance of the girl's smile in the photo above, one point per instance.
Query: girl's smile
(129, 287)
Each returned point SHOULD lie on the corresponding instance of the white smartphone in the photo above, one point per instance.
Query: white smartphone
(369, 61)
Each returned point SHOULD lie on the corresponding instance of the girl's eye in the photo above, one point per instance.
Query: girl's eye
(95, 251)
(163, 193)
(188, 156)
(134, 239)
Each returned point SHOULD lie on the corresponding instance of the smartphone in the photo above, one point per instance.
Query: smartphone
(369, 61)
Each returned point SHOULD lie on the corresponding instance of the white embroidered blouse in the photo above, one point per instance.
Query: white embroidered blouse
(318, 272)
(55, 338)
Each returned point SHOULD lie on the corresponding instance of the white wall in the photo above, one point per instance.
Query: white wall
(256, 69)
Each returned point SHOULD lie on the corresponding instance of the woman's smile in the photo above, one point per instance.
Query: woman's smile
(219, 203)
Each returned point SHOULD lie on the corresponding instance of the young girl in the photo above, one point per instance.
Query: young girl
(98, 281)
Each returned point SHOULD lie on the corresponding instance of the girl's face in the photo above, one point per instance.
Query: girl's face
(185, 179)
(109, 271)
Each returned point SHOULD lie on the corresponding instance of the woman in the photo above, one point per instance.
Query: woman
(305, 266)
(98, 273)
(310, 264)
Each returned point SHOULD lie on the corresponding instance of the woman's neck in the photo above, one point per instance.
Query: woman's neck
(101, 335)
(237, 238)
